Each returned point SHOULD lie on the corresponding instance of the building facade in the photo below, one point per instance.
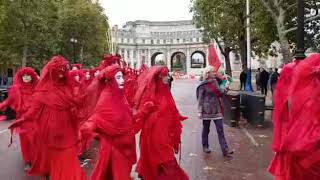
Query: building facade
(176, 44)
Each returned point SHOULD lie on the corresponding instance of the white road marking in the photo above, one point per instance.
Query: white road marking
(253, 141)
(3, 131)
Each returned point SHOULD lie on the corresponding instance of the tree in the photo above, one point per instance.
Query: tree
(225, 21)
(284, 16)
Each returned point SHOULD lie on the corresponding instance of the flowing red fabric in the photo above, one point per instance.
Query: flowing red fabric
(56, 128)
(112, 120)
(299, 155)
(213, 57)
(20, 100)
(130, 85)
(77, 86)
(161, 130)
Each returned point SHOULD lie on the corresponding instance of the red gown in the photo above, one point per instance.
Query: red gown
(161, 130)
(20, 100)
(56, 126)
(298, 134)
(112, 120)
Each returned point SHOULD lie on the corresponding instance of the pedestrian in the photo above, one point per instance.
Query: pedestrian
(273, 80)
(264, 79)
(112, 121)
(210, 108)
(161, 130)
(20, 100)
(56, 132)
(170, 79)
(243, 78)
(258, 79)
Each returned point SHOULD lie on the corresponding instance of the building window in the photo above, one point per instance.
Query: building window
(134, 54)
(171, 41)
(198, 60)
(142, 50)
(143, 41)
(164, 41)
(158, 41)
(121, 40)
(151, 41)
(184, 40)
(128, 54)
(178, 41)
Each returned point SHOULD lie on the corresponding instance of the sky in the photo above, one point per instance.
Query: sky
(121, 11)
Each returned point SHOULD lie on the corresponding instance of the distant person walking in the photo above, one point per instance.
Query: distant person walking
(258, 79)
(243, 78)
(264, 79)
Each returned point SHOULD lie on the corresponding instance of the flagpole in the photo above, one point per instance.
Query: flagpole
(248, 86)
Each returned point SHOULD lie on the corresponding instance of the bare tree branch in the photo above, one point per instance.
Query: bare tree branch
(291, 6)
(266, 5)
(306, 21)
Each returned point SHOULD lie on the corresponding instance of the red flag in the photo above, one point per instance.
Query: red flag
(213, 57)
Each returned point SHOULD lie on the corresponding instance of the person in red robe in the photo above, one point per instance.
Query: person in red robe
(297, 129)
(161, 130)
(112, 120)
(20, 100)
(56, 128)
(77, 79)
(88, 78)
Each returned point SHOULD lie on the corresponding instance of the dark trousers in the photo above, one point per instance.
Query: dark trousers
(205, 134)
(243, 85)
(264, 89)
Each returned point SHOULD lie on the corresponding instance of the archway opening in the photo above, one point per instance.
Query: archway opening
(178, 62)
(158, 59)
(198, 59)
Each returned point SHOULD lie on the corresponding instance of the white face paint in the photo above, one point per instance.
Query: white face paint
(26, 78)
(96, 73)
(119, 79)
(77, 78)
(75, 68)
(88, 75)
(165, 79)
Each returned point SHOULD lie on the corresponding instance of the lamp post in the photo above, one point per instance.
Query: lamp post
(248, 85)
(300, 52)
(74, 41)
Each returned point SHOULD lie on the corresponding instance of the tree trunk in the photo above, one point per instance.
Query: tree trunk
(243, 52)
(81, 54)
(226, 55)
(24, 56)
(285, 47)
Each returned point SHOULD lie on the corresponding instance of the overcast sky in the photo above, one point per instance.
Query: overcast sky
(121, 11)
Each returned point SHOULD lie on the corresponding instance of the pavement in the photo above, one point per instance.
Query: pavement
(251, 145)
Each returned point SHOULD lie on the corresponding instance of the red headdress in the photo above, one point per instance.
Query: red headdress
(73, 74)
(78, 66)
(109, 60)
(25, 71)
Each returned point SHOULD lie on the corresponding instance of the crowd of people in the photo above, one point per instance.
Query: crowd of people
(61, 112)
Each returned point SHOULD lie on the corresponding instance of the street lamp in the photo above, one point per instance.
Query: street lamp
(248, 85)
(300, 52)
(74, 41)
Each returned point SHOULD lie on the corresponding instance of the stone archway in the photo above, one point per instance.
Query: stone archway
(158, 59)
(179, 62)
(198, 59)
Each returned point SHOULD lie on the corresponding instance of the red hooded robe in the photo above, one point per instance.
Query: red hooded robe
(112, 120)
(56, 126)
(161, 130)
(20, 100)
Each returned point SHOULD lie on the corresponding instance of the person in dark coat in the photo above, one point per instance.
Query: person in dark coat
(170, 80)
(264, 78)
(273, 80)
(243, 78)
(210, 108)
(258, 79)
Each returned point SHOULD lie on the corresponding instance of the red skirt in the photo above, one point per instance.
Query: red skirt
(26, 148)
(59, 164)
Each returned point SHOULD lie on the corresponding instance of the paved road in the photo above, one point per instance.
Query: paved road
(252, 147)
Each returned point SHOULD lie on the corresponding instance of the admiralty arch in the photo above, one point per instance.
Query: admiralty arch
(176, 44)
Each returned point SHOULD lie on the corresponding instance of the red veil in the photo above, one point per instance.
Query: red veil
(112, 120)
(299, 150)
(161, 130)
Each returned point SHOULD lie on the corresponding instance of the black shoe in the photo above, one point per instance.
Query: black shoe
(27, 167)
(206, 150)
(228, 154)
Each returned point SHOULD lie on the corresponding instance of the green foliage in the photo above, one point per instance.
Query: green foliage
(44, 28)
(226, 21)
